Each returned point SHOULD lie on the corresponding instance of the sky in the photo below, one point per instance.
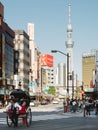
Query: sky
(50, 18)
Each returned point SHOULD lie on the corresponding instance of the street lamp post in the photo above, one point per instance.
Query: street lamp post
(67, 73)
(55, 51)
(67, 99)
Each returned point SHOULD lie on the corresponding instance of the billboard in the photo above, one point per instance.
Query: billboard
(46, 60)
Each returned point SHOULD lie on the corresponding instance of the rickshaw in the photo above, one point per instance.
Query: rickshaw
(27, 115)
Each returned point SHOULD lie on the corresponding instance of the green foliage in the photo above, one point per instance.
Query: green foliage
(52, 90)
(78, 91)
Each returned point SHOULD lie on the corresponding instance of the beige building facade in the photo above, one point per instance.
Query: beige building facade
(21, 42)
(88, 69)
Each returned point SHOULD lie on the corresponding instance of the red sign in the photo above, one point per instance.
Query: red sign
(47, 60)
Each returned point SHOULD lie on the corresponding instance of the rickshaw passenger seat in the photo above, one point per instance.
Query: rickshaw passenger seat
(23, 109)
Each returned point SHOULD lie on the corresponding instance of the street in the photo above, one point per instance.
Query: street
(52, 117)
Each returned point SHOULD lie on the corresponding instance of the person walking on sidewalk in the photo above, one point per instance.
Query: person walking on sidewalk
(74, 105)
(87, 107)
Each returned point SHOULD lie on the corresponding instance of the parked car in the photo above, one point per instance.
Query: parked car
(55, 102)
(32, 104)
(44, 102)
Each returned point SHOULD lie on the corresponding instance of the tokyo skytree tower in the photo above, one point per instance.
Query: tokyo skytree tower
(69, 44)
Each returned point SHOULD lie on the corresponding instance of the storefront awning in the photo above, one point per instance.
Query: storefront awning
(89, 89)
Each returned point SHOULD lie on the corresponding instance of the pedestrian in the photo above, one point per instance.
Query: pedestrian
(87, 107)
(70, 105)
(74, 105)
(96, 107)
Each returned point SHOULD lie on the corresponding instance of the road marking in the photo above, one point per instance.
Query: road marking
(2, 120)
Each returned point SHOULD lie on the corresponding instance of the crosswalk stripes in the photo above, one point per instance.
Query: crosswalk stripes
(2, 120)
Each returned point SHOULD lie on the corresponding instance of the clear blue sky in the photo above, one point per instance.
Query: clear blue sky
(50, 18)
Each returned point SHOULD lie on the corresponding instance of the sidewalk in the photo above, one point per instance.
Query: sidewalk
(80, 114)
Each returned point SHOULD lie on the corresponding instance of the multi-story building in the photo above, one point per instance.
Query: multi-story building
(60, 80)
(41, 66)
(6, 55)
(46, 71)
(90, 73)
(88, 69)
(61, 75)
(22, 68)
(34, 62)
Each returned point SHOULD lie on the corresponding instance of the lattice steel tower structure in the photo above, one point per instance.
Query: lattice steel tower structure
(69, 44)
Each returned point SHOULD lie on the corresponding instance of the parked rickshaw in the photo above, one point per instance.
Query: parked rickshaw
(26, 116)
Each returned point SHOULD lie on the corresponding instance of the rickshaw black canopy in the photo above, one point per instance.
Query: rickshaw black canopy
(19, 94)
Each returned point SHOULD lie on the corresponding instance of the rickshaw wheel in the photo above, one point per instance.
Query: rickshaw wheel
(28, 117)
(9, 121)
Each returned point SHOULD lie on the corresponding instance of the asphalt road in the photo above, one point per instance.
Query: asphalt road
(51, 117)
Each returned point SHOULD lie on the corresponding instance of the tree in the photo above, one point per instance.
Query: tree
(52, 90)
(78, 91)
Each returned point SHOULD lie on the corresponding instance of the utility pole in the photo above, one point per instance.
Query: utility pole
(72, 84)
(68, 74)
